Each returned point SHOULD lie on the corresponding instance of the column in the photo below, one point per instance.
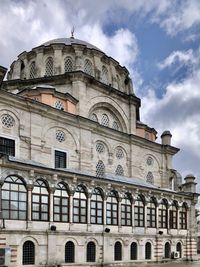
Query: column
(51, 193)
(119, 215)
(29, 201)
(88, 211)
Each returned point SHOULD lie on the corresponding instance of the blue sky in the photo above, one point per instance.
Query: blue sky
(157, 40)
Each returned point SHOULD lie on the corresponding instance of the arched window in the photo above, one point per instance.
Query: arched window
(68, 64)
(115, 125)
(119, 153)
(151, 213)
(150, 178)
(32, 71)
(112, 209)
(96, 215)
(61, 204)
(93, 117)
(104, 76)
(126, 214)
(139, 212)
(88, 67)
(49, 67)
(69, 252)
(183, 217)
(28, 257)
(80, 205)
(105, 120)
(148, 251)
(171, 183)
(118, 251)
(91, 252)
(100, 169)
(162, 214)
(173, 213)
(14, 199)
(167, 251)
(40, 201)
(179, 249)
(119, 170)
(100, 148)
(133, 251)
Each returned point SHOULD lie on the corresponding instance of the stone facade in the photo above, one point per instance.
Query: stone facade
(83, 181)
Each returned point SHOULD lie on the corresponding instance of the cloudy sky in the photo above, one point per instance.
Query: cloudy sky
(157, 40)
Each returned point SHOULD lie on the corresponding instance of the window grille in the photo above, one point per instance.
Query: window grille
(119, 153)
(80, 206)
(173, 213)
(134, 251)
(151, 214)
(60, 136)
(91, 252)
(104, 76)
(93, 117)
(88, 67)
(148, 251)
(118, 251)
(40, 201)
(139, 212)
(112, 209)
(150, 178)
(126, 211)
(149, 161)
(183, 217)
(28, 257)
(7, 121)
(100, 148)
(162, 215)
(68, 64)
(14, 199)
(69, 252)
(105, 120)
(61, 204)
(60, 159)
(7, 146)
(32, 72)
(115, 125)
(100, 169)
(119, 171)
(96, 214)
(59, 105)
(49, 67)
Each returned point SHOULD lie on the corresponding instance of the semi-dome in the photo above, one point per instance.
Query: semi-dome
(70, 41)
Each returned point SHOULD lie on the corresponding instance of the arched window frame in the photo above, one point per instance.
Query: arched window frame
(91, 252)
(40, 201)
(105, 120)
(139, 211)
(118, 251)
(167, 250)
(80, 205)
(173, 216)
(61, 203)
(14, 198)
(100, 169)
(28, 254)
(183, 216)
(163, 214)
(69, 252)
(133, 251)
(151, 213)
(49, 67)
(32, 70)
(88, 67)
(68, 66)
(96, 214)
(148, 251)
(104, 75)
(112, 209)
(126, 210)
(93, 117)
(119, 170)
(179, 249)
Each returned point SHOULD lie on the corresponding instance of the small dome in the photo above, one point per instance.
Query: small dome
(70, 41)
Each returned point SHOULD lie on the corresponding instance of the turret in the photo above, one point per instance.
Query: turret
(166, 138)
(190, 184)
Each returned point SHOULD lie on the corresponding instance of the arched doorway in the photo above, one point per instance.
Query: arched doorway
(167, 250)
(179, 249)
(148, 251)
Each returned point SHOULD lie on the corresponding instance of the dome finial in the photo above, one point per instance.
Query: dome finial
(72, 32)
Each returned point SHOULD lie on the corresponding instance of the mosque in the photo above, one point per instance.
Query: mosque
(83, 181)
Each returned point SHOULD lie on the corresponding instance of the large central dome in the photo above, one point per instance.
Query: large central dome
(70, 41)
